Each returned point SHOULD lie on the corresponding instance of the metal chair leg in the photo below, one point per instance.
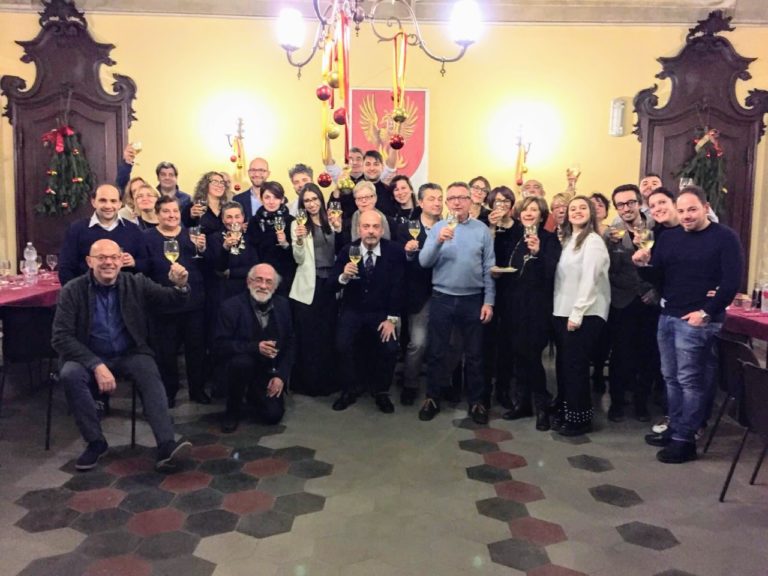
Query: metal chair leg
(733, 465)
(133, 416)
(723, 407)
(49, 415)
(759, 463)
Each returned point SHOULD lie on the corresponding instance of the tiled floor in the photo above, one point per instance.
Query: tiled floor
(363, 493)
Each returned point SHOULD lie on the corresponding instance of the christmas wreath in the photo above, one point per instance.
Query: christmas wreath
(69, 176)
(707, 168)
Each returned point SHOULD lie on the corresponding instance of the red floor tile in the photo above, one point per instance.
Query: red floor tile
(504, 460)
(553, 570)
(492, 435)
(210, 452)
(156, 521)
(518, 491)
(266, 467)
(537, 531)
(119, 565)
(186, 481)
(248, 502)
(130, 466)
(92, 500)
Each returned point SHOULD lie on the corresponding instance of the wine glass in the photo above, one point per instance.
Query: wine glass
(334, 208)
(355, 256)
(137, 148)
(273, 363)
(202, 203)
(279, 224)
(171, 250)
(452, 220)
(38, 263)
(301, 220)
(5, 271)
(618, 231)
(194, 233)
(52, 260)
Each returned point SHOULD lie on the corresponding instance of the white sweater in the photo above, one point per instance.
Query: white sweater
(582, 287)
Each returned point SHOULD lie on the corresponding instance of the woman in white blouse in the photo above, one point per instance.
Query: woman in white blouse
(582, 300)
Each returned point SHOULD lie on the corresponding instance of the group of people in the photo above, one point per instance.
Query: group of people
(324, 294)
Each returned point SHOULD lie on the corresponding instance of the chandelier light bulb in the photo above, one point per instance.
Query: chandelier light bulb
(290, 29)
(465, 22)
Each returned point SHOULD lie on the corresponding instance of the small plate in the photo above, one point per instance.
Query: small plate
(506, 270)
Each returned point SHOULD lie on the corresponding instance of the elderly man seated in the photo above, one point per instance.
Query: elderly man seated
(100, 333)
(254, 338)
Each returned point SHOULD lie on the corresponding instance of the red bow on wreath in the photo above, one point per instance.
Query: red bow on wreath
(56, 136)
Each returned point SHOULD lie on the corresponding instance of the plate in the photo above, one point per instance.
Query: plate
(505, 270)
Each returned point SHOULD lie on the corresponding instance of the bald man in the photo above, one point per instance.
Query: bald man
(250, 200)
(104, 223)
(100, 334)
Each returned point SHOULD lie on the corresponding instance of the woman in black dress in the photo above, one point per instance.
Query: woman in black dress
(205, 209)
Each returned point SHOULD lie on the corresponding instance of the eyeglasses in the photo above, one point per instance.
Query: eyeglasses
(217, 182)
(101, 258)
(627, 204)
(366, 197)
(480, 189)
(256, 170)
(454, 198)
(502, 202)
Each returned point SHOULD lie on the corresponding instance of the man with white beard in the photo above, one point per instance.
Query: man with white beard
(254, 339)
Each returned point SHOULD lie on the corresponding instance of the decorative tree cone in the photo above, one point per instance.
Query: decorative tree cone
(333, 132)
(324, 92)
(346, 184)
(333, 80)
(397, 142)
(340, 116)
(399, 115)
(233, 158)
(238, 187)
(325, 179)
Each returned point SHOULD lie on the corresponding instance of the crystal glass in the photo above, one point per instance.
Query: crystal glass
(452, 220)
(52, 260)
(355, 256)
(194, 232)
(171, 250)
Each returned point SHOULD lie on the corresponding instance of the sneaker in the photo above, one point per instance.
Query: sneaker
(677, 453)
(479, 414)
(90, 457)
(170, 453)
(661, 426)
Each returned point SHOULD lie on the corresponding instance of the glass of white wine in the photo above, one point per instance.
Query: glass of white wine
(301, 220)
(171, 250)
(52, 260)
(137, 148)
(334, 208)
(414, 229)
(452, 220)
(355, 256)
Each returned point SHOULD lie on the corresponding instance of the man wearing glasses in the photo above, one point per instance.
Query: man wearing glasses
(250, 200)
(100, 333)
(460, 252)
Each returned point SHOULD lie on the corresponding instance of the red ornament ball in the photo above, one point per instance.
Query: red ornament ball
(325, 179)
(75, 152)
(233, 158)
(238, 187)
(65, 205)
(397, 142)
(324, 92)
(340, 116)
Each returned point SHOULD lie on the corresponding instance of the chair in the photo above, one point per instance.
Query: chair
(756, 412)
(732, 353)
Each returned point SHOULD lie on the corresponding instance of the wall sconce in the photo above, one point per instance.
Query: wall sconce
(616, 125)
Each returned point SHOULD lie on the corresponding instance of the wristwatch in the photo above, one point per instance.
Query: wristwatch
(394, 320)
(704, 316)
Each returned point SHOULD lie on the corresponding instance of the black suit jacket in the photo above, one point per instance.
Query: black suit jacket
(245, 199)
(235, 331)
(382, 292)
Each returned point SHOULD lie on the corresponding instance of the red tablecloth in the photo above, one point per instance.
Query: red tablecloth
(752, 323)
(43, 294)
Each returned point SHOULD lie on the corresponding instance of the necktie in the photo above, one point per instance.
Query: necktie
(369, 265)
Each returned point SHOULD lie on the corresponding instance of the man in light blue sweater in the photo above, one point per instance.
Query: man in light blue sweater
(460, 252)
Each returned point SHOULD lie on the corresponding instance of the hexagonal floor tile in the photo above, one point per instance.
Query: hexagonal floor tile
(147, 500)
(198, 501)
(90, 481)
(489, 474)
(107, 544)
(211, 452)
(590, 463)
(615, 495)
(265, 524)
(156, 521)
(126, 565)
(504, 460)
(44, 519)
(248, 502)
(221, 466)
(493, 435)
(211, 522)
(518, 491)
(168, 545)
(61, 564)
(310, 469)
(93, 500)
(518, 554)
(101, 520)
(266, 467)
(300, 503)
(47, 498)
(130, 466)
(478, 446)
(647, 535)
(253, 453)
(537, 531)
(237, 482)
(281, 485)
(139, 482)
(294, 453)
(186, 481)
(186, 565)
(501, 509)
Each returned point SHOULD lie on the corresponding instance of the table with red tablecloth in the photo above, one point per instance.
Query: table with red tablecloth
(752, 323)
(40, 295)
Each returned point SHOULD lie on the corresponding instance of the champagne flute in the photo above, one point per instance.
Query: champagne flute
(235, 232)
(171, 250)
(414, 229)
(301, 220)
(52, 260)
(194, 233)
(355, 256)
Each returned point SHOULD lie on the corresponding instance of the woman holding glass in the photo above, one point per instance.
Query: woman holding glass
(185, 322)
(268, 233)
(232, 256)
(207, 200)
(581, 302)
(533, 253)
(314, 245)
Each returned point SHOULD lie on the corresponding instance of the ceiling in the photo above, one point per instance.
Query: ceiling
(744, 12)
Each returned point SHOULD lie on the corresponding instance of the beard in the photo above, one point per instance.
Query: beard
(260, 296)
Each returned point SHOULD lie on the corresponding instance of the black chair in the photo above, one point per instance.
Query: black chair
(756, 412)
(732, 352)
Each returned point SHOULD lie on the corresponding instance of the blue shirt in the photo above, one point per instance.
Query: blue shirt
(108, 336)
(461, 266)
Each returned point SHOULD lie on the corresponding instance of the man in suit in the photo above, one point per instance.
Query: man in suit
(250, 200)
(370, 311)
(254, 338)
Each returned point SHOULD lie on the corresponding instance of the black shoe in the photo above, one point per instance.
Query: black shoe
(479, 414)
(408, 396)
(641, 412)
(200, 398)
(170, 453)
(517, 412)
(616, 413)
(542, 420)
(572, 429)
(677, 452)
(90, 457)
(344, 401)
(503, 399)
(429, 409)
(384, 403)
(659, 440)
(556, 416)
(229, 424)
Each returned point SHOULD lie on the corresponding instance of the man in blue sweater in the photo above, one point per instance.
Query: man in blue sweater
(700, 265)
(105, 223)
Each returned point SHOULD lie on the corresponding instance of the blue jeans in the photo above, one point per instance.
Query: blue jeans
(689, 367)
(463, 313)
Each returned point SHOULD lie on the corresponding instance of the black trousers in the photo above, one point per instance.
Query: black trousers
(358, 338)
(635, 352)
(248, 375)
(574, 351)
(170, 332)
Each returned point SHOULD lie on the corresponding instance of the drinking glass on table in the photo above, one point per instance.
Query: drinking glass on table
(52, 260)
(171, 250)
(5, 272)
